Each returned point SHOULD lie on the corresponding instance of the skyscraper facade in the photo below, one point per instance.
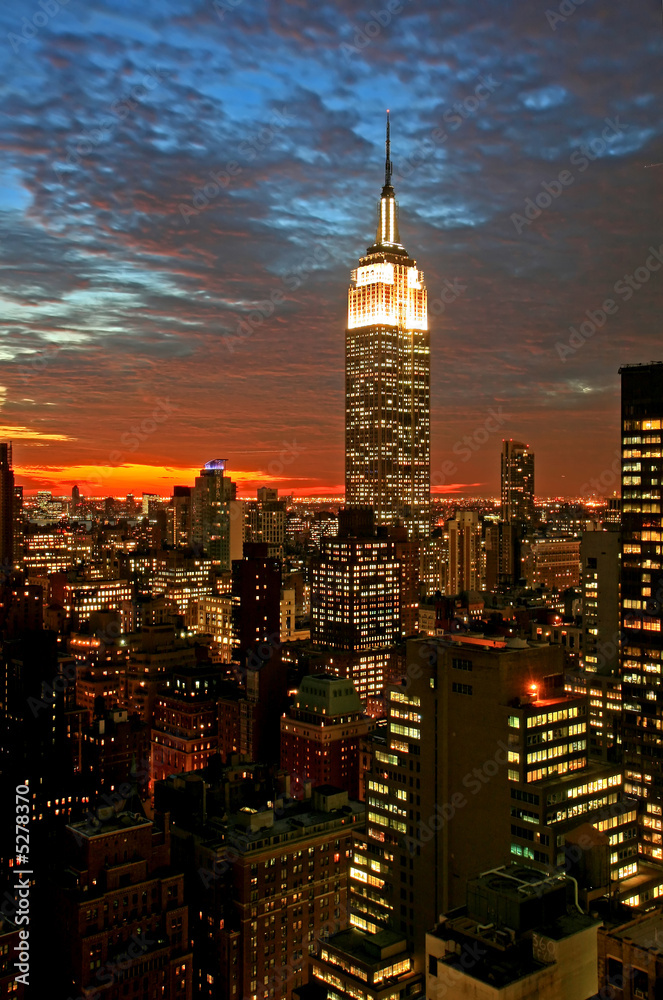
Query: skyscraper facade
(517, 483)
(6, 508)
(217, 517)
(642, 596)
(387, 378)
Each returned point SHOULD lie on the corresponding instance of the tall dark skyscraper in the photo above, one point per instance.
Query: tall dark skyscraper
(517, 483)
(6, 508)
(642, 596)
(387, 378)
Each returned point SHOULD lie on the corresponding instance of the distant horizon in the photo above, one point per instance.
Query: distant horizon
(322, 497)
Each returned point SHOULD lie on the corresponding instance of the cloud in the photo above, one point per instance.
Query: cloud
(270, 130)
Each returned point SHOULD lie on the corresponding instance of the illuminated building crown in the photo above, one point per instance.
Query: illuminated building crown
(387, 237)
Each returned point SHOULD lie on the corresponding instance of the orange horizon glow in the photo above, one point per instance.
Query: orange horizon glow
(96, 481)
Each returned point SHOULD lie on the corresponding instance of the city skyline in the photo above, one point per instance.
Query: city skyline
(520, 169)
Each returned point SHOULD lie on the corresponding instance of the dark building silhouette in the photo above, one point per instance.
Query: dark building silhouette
(180, 517)
(517, 483)
(123, 917)
(518, 513)
(6, 509)
(256, 588)
(268, 876)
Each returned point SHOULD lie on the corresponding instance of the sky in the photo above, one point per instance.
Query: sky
(185, 186)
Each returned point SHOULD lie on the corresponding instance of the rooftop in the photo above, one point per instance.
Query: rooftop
(108, 821)
(254, 829)
(325, 694)
(645, 931)
(369, 949)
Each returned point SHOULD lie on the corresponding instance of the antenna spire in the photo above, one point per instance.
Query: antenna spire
(387, 162)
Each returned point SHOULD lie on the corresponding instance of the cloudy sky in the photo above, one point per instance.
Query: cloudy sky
(186, 184)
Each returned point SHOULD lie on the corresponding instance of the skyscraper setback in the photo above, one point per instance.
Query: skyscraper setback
(387, 378)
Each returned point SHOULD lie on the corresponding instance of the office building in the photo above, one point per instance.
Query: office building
(321, 733)
(443, 772)
(123, 919)
(19, 527)
(217, 517)
(600, 553)
(641, 596)
(268, 876)
(518, 513)
(82, 599)
(150, 505)
(266, 520)
(598, 671)
(179, 517)
(630, 958)
(185, 721)
(256, 591)
(519, 936)
(352, 965)
(552, 563)
(555, 787)
(364, 586)
(213, 615)
(387, 378)
(517, 478)
(183, 577)
(6, 509)
(465, 566)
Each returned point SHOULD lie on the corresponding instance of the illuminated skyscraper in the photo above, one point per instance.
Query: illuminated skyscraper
(6, 509)
(642, 596)
(217, 517)
(387, 378)
(517, 483)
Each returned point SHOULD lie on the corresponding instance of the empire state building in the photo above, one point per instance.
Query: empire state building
(387, 378)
